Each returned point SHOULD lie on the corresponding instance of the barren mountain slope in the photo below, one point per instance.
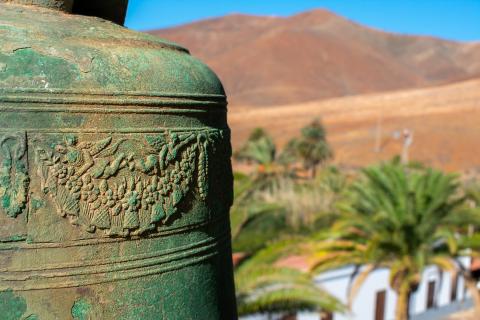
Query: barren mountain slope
(316, 55)
(445, 121)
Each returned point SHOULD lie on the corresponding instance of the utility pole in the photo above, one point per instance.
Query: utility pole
(378, 133)
(407, 142)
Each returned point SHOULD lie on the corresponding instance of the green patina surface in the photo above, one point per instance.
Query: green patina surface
(81, 309)
(115, 175)
(14, 238)
(36, 204)
(13, 307)
(40, 69)
(88, 53)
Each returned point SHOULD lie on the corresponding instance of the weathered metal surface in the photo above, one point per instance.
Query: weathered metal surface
(115, 175)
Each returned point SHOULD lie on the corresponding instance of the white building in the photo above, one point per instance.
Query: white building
(438, 295)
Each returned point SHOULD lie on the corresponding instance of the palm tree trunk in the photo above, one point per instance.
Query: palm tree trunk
(289, 316)
(402, 308)
(313, 172)
(471, 284)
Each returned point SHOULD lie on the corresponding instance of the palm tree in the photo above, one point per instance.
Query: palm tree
(399, 218)
(250, 215)
(263, 286)
(312, 147)
(470, 244)
(286, 206)
(260, 149)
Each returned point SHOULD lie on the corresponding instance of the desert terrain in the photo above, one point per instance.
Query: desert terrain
(366, 85)
(445, 122)
(267, 61)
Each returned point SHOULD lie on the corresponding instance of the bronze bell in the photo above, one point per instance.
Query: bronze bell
(115, 174)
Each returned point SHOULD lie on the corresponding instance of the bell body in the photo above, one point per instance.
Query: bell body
(115, 174)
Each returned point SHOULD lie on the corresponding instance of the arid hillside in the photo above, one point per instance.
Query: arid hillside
(266, 61)
(445, 121)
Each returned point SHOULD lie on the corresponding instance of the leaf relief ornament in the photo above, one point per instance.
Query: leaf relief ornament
(97, 185)
(14, 180)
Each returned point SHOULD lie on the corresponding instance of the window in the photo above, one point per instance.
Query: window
(327, 316)
(431, 295)
(454, 289)
(380, 305)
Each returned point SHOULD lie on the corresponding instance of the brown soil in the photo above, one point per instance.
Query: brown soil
(445, 121)
(463, 315)
(267, 61)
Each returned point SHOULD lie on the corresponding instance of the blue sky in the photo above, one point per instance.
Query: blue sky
(450, 19)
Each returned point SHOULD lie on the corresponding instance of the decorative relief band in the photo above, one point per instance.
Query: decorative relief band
(14, 178)
(125, 185)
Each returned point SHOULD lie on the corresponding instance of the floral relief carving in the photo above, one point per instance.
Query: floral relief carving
(126, 186)
(14, 180)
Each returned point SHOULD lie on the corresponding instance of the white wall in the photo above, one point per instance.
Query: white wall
(336, 282)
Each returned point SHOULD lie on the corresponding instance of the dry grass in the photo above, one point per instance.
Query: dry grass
(304, 203)
(445, 121)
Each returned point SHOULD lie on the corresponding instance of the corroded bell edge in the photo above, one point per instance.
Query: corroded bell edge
(89, 272)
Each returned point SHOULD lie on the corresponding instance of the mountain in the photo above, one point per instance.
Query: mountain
(265, 61)
(444, 121)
